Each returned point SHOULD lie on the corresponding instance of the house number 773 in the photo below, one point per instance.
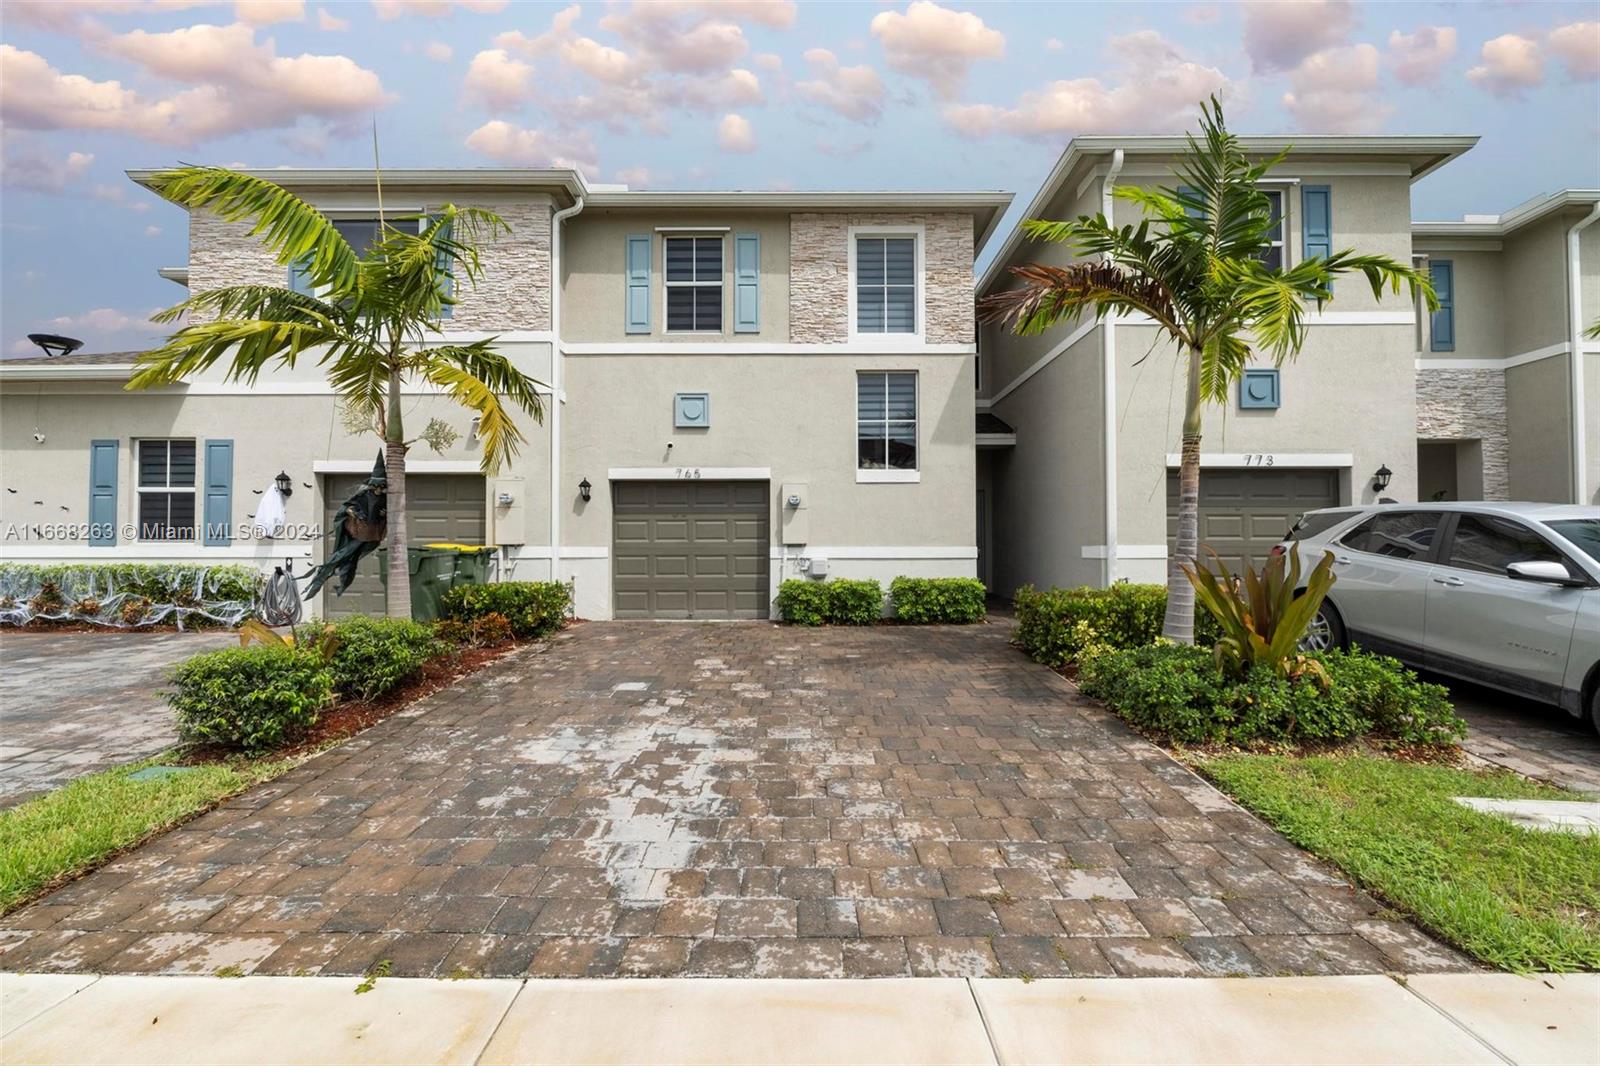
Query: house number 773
(1258, 460)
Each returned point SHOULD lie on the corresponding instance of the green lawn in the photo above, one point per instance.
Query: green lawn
(76, 827)
(1516, 898)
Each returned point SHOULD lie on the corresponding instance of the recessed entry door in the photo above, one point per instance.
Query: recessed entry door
(1243, 513)
(690, 549)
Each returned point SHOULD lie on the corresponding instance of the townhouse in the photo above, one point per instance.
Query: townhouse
(1079, 427)
(739, 387)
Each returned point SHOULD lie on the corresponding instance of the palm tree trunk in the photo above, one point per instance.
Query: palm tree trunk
(394, 462)
(1179, 622)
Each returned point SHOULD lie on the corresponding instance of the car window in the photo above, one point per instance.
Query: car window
(1490, 544)
(1584, 532)
(1396, 534)
(1314, 522)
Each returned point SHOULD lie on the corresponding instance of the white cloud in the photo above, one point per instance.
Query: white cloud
(769, 61)
(389, 10)
(1510, 64)
(497, 80)
(1420, 56)
(267, 12)
(1578, 48)
(1157, 90)
(634, 177)
(1278, 34)
(515, 145)
(936, 44)
(152, 231)
(104, 320)
(1054, 44)
(1336, 91)
(1202, 14)
(735, 134)
(330, 22)
(37, 172)
(438, 51)
(854, 92)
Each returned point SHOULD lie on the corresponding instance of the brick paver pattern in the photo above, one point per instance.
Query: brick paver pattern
(730, 799)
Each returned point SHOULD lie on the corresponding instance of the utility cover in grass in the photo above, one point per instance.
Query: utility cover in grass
(1573, 816)
(156, 773)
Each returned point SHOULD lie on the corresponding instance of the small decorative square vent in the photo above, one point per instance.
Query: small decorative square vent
(1258, 390)
(691, 410)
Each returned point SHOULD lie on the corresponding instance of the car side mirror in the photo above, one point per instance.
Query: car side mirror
(1547, 572)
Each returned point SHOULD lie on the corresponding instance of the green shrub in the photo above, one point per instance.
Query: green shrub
(938, 600)
(1054, 626)
(372, 656)
(840, 602)
(803, 602)
(533, 608)
(491, 630)
(250, 699)
(1177, 691)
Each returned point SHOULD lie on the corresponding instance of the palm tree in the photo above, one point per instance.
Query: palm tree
(1194, 266)
(366, 325)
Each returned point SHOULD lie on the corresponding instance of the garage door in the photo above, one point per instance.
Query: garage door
(690, 549)
(1243, 513)
(439, 508)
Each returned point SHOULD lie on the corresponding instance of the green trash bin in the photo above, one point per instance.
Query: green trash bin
(435, 570)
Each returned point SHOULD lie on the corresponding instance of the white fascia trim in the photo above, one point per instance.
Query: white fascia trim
(568, 551)
(413, 466)
(898, 344)
(683, 473)
(1257, 460)
(1318, 318)
(1505, 363)
(1126, 551)
(301, 388)
(78, 372)
(1049, 357)
(889, 340)
(509, 336)
(1497, 365)
(856, 551)
(994, 440)
(888, 477)
(263, 551)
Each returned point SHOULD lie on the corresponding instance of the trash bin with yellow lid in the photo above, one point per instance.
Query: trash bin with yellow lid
(436, 569)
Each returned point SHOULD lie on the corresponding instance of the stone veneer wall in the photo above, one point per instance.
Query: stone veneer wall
(1468, 405)
(819, 275)
(512, 293)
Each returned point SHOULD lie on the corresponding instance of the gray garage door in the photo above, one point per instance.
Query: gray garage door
(1243, 513)
(690, 549)
(445, 508)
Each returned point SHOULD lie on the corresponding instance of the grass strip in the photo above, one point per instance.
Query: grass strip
(1518, 899)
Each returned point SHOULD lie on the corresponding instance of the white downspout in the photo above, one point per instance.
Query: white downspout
(1580, 478)
(557, 383)
(1108, 385)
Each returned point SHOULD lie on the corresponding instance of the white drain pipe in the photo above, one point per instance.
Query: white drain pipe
(1580, 473)
(1108, 367)
(557, 382)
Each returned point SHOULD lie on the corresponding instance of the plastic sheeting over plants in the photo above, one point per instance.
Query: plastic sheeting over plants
(128, 596)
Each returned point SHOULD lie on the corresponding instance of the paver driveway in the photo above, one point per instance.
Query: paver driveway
(730, 799)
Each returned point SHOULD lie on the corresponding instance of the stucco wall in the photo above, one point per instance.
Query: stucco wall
(1457, 405)
(1479, 304)
(1535, 293)
(1538, 426)
(1591, 383)
(819, 280)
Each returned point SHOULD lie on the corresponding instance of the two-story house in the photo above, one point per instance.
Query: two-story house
(739, 387)
(1079, 427)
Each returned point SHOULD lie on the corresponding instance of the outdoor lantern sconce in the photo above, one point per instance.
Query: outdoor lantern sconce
(285, 484)
(1380, 479)
(584, 488)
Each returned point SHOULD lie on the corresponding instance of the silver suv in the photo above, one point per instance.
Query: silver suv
(1501, 594)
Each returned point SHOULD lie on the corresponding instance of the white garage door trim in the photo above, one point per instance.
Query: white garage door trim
(690, 473)
(1268, 460)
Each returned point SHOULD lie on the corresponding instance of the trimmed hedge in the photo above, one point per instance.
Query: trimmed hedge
(250, 699)
(372, 656)
(842, 601)
(1177, 692)
(938, 600)
(1056, 625)
(126, 595)
(533, 608)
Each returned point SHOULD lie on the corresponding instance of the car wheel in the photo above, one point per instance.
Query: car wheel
(1326, 631)
(1594, 707)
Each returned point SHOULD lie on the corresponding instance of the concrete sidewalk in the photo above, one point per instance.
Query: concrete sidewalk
(1443, 1018)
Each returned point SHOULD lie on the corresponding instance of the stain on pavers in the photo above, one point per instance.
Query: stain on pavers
(730, 800)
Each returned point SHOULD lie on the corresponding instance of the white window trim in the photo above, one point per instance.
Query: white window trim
(1285, 259)
(139, 490)
(890, 340)
(886, 476)
(722, 282)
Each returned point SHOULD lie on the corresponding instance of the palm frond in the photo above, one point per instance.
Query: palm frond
(453, 370)
(1050, 294)
(248, 344)
(256, 301)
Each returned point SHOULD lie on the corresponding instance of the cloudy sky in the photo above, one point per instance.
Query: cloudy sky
(737, 94)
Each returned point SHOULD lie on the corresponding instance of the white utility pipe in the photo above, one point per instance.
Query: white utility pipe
(557, 383)
(1580, 473)
(1108, 385)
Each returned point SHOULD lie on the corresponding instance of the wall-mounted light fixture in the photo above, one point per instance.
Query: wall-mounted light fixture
(1380, 478)
(285, 484)
(584, 489)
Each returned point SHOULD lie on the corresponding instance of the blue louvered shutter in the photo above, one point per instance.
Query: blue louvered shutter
(638, 283)
(447, 286)
(218, 511)
(300, 277)
(1443, 327)
(1316, 210)
(102, 493)
(747, 283)
(1190, 190)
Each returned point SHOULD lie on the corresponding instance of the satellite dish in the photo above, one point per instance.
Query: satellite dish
(55, 344)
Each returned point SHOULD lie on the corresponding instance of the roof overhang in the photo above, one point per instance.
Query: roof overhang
(1523, 214)
(41, 371)
(415, 180)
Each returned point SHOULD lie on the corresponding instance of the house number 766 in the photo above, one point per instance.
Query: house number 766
(692, 473)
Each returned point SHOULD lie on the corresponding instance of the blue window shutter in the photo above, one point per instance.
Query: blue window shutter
(102, 493)
(1189, 190)
(448, 286)
(1316, 209)
(638, 271)
(1443, 326)
(747, 283)
(299, 277)
(218, 514)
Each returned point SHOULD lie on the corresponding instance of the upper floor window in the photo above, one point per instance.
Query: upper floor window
(885, 273)
(166, 489)
(1442, 323)
(694, 284)
(1272, 258)
(886, 426)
